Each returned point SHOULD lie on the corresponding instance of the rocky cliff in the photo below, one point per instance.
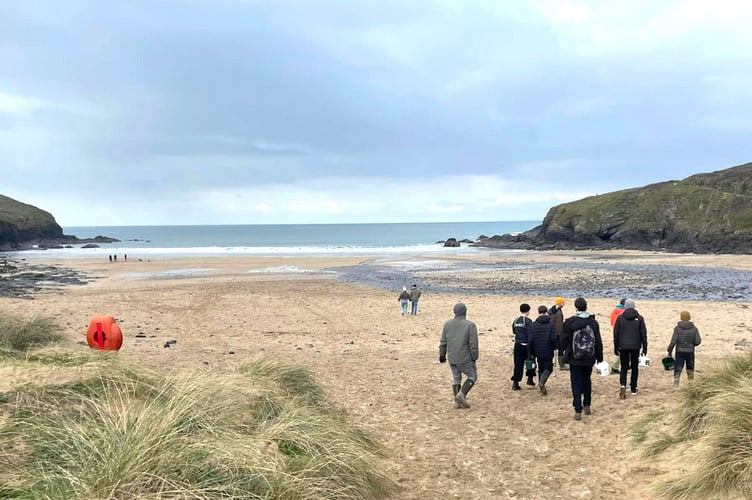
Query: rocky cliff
(704, 213)
(23, 225)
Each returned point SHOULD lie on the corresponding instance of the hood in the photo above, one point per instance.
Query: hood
(686, 325)
(543, 319)
(630, 314)
(579, 320)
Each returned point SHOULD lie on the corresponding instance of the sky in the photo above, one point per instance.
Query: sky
(323, 111)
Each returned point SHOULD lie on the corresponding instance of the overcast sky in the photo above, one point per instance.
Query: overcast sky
(310, 111)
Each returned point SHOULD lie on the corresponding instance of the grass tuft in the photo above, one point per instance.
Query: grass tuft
(21, 335)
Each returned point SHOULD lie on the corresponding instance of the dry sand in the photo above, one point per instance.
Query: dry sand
(383, 368)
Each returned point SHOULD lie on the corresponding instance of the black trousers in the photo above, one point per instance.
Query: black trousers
(520, 355)
(629, 359)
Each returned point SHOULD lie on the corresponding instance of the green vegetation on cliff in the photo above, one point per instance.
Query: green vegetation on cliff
(20, 222)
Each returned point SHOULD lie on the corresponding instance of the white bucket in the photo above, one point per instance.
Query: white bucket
(602, 368)
(644, 360)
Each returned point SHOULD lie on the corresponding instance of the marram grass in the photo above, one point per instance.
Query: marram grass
(20, 335)
(713, 426)
(262, 431)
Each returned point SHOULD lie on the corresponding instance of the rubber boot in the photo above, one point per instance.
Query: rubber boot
(455, 390)
(530, 381)
(690, 374)
(542, 382)
(461, 396)
(677, 377)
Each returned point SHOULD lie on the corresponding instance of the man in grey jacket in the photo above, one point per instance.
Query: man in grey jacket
(459, 343)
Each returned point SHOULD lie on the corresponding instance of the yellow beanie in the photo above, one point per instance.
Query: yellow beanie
(559, 301)
(684, 316)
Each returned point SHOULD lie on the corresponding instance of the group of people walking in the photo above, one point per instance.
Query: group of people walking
(412, 296)
(575, 344)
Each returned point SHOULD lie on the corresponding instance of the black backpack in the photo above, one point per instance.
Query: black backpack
(583, 343)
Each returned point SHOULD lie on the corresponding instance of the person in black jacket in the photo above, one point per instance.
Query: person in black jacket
(541, 344)
(520, 330)
(630, 334)
(583, 347)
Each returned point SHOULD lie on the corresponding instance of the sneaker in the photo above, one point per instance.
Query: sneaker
(635, 391)
(623, 392)
(587, 410)
(578, 415)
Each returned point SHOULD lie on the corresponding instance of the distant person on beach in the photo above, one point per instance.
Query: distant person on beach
(403, 298)
(125, 257)
(542, 346)
(520, 330)
(630, 335)
(685, 338)
(110, 256)
(115, 257)
(459, 344)
(618, 310)
(414, 297)
(557, 320)
(581, 335)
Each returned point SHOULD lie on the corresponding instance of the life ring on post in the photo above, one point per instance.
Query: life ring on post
(104, 334)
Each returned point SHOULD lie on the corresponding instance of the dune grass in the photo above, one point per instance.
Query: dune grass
(18, 334)
(261, 431)
(710, 435)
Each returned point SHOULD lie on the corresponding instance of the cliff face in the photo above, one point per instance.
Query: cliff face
(704, 213)
(21, 223)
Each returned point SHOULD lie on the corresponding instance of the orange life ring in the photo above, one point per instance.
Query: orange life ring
(104, 334)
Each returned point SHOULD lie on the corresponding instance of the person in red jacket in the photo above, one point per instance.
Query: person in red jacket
(618, 310)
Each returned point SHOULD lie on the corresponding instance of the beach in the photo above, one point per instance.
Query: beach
(339, 317)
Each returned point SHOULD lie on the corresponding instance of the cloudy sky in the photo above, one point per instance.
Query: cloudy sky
(310, 111)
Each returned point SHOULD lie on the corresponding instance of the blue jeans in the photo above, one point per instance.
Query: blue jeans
(403, 302)
(414, 310)
(582, 388)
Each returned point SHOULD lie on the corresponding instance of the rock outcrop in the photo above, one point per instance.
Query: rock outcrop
(704, 213)
(24, 226)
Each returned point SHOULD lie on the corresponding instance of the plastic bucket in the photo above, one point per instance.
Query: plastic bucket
(529, 364)
(668, 363)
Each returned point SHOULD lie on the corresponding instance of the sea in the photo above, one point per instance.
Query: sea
(147, 242)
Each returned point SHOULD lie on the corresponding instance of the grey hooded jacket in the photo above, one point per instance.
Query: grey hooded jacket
(459, 341)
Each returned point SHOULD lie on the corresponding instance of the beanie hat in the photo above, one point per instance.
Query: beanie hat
(524, 308)
(460, 309)
(559, 301)
(580, 304)
(685, 316)
(629, 304)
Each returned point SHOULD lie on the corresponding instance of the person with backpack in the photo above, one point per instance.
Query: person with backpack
(520, 328)
(541, 345)
(459, 342)
(685, 338)
(630, 335)
(581, 336)
(557, 320)
(403, 298)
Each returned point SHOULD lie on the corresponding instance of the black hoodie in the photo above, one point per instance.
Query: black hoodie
(630, 332)
(571, 325)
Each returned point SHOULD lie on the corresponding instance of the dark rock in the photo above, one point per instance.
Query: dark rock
(451, 242)
(90, 245)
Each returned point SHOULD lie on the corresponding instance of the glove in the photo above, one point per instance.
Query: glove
(616, 351)
(442, 358)
(670, 354)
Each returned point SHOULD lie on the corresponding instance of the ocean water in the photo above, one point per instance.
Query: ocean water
(280, 239)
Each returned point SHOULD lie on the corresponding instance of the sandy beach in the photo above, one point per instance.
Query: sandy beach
(383, 368)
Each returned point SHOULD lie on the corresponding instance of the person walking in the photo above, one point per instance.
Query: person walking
(414, 296)
(459, 344)
(685, 338)
(581, 335)
(557, 319)
(617, 311)
(630, 335)
(520, 331)
(542, 345)
(403, 298)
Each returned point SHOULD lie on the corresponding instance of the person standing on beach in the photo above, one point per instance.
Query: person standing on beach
(557, 320)
(685, 338)
(403, 298)
(459, 343)
(581, 335)
(414, 296)
(630, 335)
(542, 345)
(520, 328)
(618, 310)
